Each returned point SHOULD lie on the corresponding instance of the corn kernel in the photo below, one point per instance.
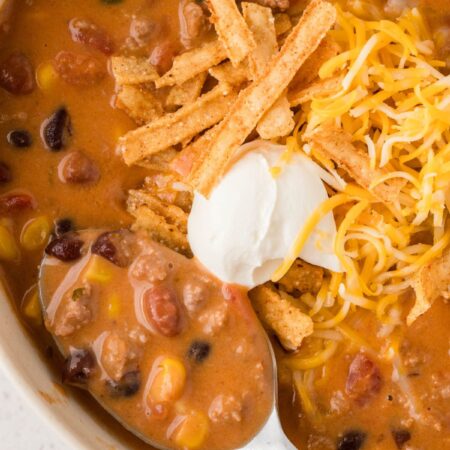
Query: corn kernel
(8, 247)
(114, 306)
(35, 233)
(46, 76)
(31, 307)
(193, 430)
(169, 381)
(99, 270)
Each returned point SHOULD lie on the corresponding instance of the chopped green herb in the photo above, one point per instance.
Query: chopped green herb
(77, 294)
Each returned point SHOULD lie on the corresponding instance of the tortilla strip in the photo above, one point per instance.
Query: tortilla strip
(140, 104)
(256, 100)
(279, 120)
(226, 73)
(162, 221)
(161, 161)
(430, 282)
(319, 88)
(186, 93)
(282, 23)
(278, 312)
(192, 63)
(174, 128)
(309, 72)
(302, 278)
(132, 70)
(190, 157)
(232, 30)
(337, 145)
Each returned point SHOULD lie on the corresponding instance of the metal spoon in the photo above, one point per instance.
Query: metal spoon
(271, 435)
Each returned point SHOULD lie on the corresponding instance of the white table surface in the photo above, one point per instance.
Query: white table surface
(20, 427)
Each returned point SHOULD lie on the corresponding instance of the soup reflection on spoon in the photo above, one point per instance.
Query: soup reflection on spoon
(174, 354)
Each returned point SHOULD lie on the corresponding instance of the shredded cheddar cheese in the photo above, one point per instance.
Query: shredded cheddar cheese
(395, 103)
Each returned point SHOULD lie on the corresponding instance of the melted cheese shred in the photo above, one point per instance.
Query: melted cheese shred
(395, 103)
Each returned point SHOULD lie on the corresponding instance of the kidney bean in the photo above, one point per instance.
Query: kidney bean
(199, 351)
(16, 202)
(56, 129)
(115, 246)
(78, 367)
(363, 380)
(161, 308)
(65, 248)
(19, 138)
(79, 69)
(128, 385)
(88, 33)
(162, 56)
(351, 440)
(5, 173)
(63, 226)
(17, 74)
(78, 168)
(401, 436)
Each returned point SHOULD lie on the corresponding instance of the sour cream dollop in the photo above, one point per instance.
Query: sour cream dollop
(243, 232)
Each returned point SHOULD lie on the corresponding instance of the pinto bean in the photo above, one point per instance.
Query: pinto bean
(162, 56)
(192, 22)
(77, 168)
(65, 248)
(79, 69)
(16, 202)
(363, 380)
(78, 367)
(88, 33)
(161, 308)
(56, 130)
(144, 30)
(5, 173)
(17, 74)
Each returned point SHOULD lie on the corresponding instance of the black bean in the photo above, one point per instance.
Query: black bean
(5, 173)
(103, 246)
(401, 436)
(199, 351)
(351, 440)
(65, 248)
(56, 130)
(63, 226)
(19, 138)
(78, 367)
(128, 385)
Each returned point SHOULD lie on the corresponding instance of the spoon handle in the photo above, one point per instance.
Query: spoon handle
(271, 436)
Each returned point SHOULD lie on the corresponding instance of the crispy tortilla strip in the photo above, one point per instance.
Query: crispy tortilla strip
(176, 127)
(309, 72)
(226, 73)
(188, 159)
(232, 30)
(282, 23)
(256, 100)
(162, 221)
(186, 93)
(319, 88)
(302, 278)
(278, 312)
(132, 70)
(335, 144)
(430, 282)
(279, 120)
(140, 104)
(160, 162)
(192, 63)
